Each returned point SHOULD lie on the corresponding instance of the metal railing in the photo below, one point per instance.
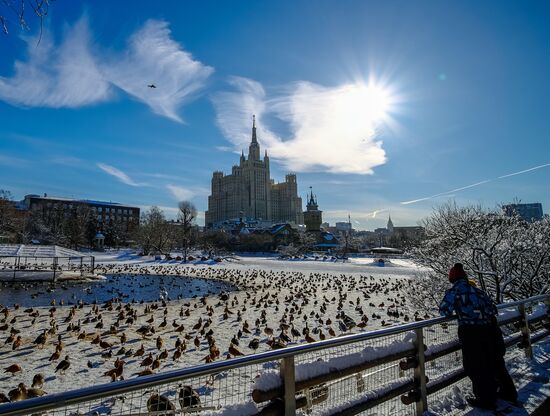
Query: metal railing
(397, 370)
(29, 266)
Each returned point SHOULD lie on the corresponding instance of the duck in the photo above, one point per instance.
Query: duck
(14, 368)
(63, 365)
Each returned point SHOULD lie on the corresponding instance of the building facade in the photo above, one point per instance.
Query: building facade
(126, 217)
(529, 212)
(249, 192)
(313, 216)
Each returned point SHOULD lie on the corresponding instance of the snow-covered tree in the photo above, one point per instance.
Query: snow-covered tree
(508, 257)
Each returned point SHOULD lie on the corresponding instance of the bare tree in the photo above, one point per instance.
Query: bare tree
(186, 216)
(75, 225)
(21, 10)
(153, 233)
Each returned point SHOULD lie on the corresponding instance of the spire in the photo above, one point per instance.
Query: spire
(254, 148)
(254, 139)
(311, 200)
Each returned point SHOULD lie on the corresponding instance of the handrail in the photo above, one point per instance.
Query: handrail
(57, 400)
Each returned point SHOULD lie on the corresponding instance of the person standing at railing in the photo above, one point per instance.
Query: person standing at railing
(481, 339)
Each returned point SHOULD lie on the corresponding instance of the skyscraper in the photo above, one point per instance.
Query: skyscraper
(250, 192)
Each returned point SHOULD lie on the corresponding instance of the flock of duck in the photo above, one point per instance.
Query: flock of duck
(43, 348)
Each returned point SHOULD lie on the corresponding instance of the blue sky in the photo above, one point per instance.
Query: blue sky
(465, 86)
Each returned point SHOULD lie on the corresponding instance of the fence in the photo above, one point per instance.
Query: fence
(40, 268)
(394, 370)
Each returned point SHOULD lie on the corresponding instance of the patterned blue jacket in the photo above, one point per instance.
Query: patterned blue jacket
(472, 305)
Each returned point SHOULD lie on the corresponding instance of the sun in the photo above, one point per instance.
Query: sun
(371, 102)
(359, 109)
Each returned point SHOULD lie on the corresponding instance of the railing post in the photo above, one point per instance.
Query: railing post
(420, 373)
(289, 383)
(525, 332)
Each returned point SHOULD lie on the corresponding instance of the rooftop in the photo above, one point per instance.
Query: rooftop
(85, 201)
(23, 250)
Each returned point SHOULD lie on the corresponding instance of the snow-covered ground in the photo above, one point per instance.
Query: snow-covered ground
(306, 295)
(531, 377)
(272, 290)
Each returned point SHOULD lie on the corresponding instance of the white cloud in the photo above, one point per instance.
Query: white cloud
(117, 173)
(153, 57)
(234, 112)
(180, 193)
(64, 75)
(73, 73)
(331, 129)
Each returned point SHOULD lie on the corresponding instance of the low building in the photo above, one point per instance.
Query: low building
(126, 217)
(344, 227)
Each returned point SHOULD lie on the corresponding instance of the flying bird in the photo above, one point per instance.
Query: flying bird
(152, 86)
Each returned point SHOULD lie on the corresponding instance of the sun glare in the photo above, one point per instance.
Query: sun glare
(359, 109)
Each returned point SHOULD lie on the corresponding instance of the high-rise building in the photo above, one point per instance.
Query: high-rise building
(249, 192)
(529, 212)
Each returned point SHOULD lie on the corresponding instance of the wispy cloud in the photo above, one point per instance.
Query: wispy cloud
(12, 161)
(117, 173)
(75, 73)
(68, 161)
(153, 57)
(329, 128)
(181, 193)
(64, 75)
(451, 193)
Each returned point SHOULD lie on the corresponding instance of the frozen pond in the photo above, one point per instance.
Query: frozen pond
(127, 288)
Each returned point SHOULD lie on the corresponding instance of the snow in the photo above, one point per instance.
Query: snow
(508, 313)
(531, 376)
(274, 284)
(301, 283)
(538, 311)
(22, 250)
(305, 371)
(366, 397)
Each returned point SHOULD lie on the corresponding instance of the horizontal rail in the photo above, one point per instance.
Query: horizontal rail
(260, 396)
(72, 397)
(446, 379)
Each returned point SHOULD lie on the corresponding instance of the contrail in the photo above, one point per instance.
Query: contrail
(524, 171)
(447, 193)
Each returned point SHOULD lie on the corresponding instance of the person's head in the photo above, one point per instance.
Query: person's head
(457, 272)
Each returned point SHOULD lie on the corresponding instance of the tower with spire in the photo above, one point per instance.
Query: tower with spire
(313, 217)
(249, 191)
(390, 224)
